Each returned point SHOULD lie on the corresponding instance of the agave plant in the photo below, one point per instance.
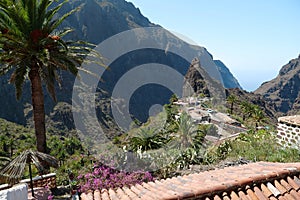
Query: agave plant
(32, 47)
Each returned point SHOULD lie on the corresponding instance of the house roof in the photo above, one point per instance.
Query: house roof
(261, 180)
(295, 119)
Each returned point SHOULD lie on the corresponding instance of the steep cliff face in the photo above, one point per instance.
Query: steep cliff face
(228, 79)
(296, 107)
(284, 90)
(99, 19)
(198, 81)
(194, 80)
(96, 21)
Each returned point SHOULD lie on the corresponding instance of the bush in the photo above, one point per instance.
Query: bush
(105, 177)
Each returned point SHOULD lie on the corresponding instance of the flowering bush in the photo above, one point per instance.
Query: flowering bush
(105, 177)
(50, 197)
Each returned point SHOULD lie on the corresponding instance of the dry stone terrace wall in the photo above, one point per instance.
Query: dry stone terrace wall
(288, 131)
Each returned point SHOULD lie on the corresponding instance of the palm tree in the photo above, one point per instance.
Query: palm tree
(231, 99)
(247, 109)
(186, 133)
(258, 115)
(147, 139)
(32, 48)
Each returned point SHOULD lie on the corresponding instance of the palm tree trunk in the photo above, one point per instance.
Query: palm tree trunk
(37, 97)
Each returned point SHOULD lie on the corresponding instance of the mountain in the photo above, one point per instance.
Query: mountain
(198, 81)
(268, 107)
(228, 79)
(96, 21)
(284, 90)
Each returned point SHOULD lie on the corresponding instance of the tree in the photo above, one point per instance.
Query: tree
(258, 115)
(173, 98)
(32, 48)
(231, 99)
(147, 139)
(247, 109)
(187, 130)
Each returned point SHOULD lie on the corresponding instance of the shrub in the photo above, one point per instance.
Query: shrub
(254, 146)
(105, 177)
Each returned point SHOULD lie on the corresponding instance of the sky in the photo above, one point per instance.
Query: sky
(253, 38)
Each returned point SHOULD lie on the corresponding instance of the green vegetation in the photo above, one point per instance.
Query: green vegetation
(231, 99)
(32, 48)
(254, 146)
(15, 138)
(250, 115)
(184, 144)
(167, 143)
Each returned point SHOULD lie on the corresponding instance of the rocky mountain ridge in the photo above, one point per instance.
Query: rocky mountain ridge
(197, 80)
(96, 21)
(284, 90)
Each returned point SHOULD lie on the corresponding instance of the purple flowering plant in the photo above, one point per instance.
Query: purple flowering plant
(105, 177)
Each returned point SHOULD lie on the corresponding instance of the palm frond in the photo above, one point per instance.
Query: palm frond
(57, 22)
(31, 34)
(42, 10)
(18, 77)
(50, 14)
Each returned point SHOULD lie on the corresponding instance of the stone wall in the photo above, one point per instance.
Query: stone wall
(288, 135)
(48, 180)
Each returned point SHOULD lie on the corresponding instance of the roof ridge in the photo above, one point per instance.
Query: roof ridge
(260, 179)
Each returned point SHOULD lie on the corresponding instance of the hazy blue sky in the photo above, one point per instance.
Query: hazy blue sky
(254, 38)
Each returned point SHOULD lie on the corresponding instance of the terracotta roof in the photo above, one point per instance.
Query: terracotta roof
(290, 119)
(261, 180)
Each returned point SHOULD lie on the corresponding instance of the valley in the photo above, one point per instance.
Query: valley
(149, 106)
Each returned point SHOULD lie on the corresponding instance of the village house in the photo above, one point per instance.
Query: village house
(288, 131)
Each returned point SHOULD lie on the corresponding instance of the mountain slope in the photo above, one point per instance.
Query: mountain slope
(96, 21)
(284, 90)
(228, 79)
(268, 107)
(99, 19)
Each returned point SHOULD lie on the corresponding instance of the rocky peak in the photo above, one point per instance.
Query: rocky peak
(198, 81)
(284, 90)
(194, 81)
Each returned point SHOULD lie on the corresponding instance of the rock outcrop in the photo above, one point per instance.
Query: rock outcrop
(284, 90)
